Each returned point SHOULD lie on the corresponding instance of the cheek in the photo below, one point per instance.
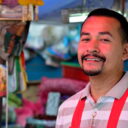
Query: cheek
(82, 48)
(114, 55)
(105, 48)
(79, 57)
(80, 52)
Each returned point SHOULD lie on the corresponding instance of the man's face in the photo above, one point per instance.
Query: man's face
(100, 48)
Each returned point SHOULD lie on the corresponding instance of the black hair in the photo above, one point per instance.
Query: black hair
(110, 13)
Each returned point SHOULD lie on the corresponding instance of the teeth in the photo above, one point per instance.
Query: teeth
(93, 59)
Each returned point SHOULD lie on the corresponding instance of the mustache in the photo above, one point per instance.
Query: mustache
(83, 57)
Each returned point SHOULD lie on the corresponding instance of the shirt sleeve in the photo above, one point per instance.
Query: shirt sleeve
(59, 122)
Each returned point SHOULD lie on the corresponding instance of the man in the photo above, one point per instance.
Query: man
(103, 47)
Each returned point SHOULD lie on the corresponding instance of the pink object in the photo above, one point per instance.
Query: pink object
(63, 85)
(10, 3)
(29, 109)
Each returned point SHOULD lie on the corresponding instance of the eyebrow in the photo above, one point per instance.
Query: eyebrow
(101, 33)
(105, 33)
(85, 33)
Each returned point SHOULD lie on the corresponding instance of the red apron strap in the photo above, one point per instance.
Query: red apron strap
(116, 111)
(78, 114)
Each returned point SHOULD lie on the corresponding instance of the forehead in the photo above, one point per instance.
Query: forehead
(100, 23)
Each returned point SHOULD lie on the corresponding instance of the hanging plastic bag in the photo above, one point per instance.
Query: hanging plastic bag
(2, 80)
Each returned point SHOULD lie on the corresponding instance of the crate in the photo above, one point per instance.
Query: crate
(73, 71)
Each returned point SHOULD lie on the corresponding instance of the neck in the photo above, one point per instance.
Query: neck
(101, 84)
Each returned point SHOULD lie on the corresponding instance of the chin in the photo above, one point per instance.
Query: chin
(92, 73)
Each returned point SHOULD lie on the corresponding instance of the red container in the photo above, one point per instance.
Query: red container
(73, 71)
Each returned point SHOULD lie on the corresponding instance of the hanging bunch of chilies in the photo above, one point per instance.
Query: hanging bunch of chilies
(33, 2)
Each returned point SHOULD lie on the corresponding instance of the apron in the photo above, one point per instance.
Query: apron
(114, 115)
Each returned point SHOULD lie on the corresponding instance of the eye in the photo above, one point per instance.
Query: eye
(105, 40)
(86, 39)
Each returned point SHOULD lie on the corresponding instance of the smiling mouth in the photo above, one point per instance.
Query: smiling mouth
(94, 57)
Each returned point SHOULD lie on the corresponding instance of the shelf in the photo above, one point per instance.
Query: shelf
(33, 82)
(10, 19)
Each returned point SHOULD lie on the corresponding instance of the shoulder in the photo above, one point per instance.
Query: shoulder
(72, 101)
(66, 110)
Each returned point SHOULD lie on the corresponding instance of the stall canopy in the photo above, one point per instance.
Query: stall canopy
(51, 10)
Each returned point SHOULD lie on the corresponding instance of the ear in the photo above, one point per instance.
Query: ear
(125, 52)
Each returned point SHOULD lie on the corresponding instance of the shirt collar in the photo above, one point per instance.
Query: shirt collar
(86, 91)
(116, 92)
(119, 89)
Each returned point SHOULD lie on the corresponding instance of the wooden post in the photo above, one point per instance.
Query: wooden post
(0, 112)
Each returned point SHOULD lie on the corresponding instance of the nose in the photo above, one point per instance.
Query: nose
(93, 47)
